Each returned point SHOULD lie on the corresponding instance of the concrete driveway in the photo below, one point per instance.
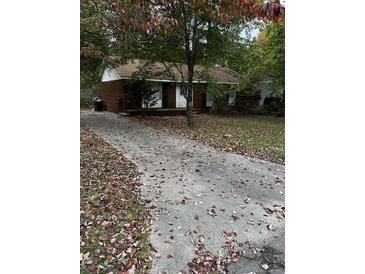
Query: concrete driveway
(198, 192)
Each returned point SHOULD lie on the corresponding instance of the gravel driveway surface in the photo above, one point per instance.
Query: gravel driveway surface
(196, 189)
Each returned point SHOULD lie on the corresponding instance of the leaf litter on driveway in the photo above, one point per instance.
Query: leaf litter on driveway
(197, 207)
(114, 221)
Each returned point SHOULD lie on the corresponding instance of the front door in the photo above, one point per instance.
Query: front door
(164, 94)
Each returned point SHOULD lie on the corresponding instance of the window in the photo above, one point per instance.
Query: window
(157, 86)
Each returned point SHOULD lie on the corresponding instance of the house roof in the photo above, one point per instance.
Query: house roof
(160, 72)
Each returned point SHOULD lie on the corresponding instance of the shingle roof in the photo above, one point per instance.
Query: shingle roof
(157, 71)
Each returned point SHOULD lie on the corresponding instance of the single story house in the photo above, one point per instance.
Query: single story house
(118, 98)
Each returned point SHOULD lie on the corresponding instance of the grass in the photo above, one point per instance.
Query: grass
(113, 217)
(135, 211)
(261, 137)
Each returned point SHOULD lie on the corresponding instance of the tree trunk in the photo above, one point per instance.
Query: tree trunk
(190, 51)
(189, 99)
(189, 112)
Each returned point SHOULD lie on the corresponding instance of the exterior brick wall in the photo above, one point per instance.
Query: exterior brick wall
(110, 93)
(112, 90)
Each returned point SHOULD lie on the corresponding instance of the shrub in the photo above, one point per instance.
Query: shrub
(274, 105)
(220, 104)
(86, 97)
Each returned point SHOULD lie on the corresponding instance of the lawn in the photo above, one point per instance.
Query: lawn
(114, 222)
(257, 136)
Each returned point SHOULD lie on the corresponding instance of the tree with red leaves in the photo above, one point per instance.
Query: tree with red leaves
(181, 33)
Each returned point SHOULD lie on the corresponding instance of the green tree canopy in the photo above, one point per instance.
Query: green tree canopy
(262, 58)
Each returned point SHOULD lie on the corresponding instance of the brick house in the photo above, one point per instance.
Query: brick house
(118, 97)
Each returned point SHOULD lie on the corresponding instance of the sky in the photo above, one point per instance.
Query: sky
(254, 32)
